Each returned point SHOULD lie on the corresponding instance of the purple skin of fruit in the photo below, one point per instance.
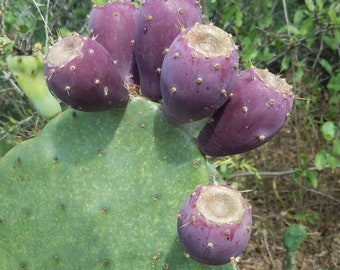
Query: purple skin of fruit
(112, 25)
(158, 22)
(198, 73)
(214, 224)
(82, 74)
(257, 109)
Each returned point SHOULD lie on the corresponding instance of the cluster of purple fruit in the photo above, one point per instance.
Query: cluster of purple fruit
(164, 52)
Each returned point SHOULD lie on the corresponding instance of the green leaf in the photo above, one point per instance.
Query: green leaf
(326, 65)
(285, 62)
(333, 161)
(249, 55)
(306, 30)
(65, 32)
(333, 16)
(265, 21)
(266, 55)
(227, 18)
(321, 159)
(12, 120)
(324, 158)
(299, 216)
(312, 217)
(329, 131)
(319, 4)
(238, 17)
(312, 179)
(334, 83)
(299, 73)
(98, 2)
(298, 16)
(337, 37)
(336, 148)
(293, 29)
(330, 42)
(303, 159)
(310, 5)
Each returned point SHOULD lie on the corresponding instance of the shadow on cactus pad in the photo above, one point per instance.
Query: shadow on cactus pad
(98, 190)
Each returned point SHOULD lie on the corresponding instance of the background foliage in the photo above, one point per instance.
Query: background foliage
(298, 171)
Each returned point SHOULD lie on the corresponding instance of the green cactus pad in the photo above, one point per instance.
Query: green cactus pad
(293, 236)
(28, 72)
(99, 191)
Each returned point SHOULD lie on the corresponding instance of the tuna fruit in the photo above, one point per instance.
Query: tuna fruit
(257, 109)
(158, 22)
(214, 224)
(81, 72)
(198, 73)
(112, 25)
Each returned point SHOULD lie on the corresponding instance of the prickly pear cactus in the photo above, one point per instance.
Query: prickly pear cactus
(98, 191)
(28, 72)
(293, 237)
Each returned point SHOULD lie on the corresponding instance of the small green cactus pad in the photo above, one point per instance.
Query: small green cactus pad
(293, 236)
(99, 191)
(28, 72)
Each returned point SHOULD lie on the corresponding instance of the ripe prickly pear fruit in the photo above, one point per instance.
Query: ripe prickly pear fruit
(198, 73)
(158, 22)
(257, 109)
(112, 25)
(214, 224)
(81, 72)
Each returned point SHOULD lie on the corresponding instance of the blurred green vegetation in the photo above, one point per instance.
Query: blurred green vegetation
(36, 22)
(299, 40)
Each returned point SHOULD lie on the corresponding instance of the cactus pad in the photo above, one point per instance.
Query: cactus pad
(98, 190)
(28, 72)
(293, 236)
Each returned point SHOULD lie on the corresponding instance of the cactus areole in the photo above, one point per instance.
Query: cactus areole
(198, 73)
(214, 224)
(82, 73)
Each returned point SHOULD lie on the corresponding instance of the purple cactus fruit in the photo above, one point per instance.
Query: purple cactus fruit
(158, 22)
(214, 224)
(257, 109)
(82, 74)
(112, 25)
(198, 73)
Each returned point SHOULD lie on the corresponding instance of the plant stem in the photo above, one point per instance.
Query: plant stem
(289, 262)
(274, 174)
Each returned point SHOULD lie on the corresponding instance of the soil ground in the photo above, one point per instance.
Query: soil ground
(275, 199)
